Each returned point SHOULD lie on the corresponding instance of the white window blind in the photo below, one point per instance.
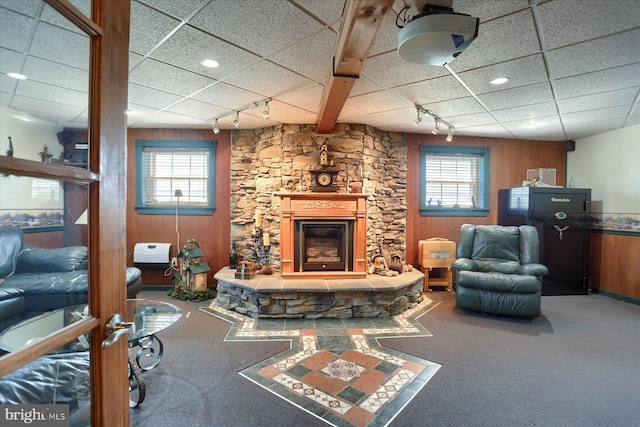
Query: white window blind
(170, 169)
(454, 181)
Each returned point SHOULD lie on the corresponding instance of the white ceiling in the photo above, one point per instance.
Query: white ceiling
(574, 67)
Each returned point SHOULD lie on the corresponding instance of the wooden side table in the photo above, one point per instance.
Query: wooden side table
(436, 255)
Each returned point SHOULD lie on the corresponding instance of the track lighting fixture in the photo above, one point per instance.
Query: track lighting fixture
(236, 121)
(437, 128)
(450, 134)
(419, 118)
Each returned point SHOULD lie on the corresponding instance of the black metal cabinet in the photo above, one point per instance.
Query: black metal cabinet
(560, 216)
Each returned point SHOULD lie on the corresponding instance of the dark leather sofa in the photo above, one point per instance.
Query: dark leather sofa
(497, 270)
(34, 280)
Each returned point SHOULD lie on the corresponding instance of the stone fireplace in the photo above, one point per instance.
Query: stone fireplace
(323, 235)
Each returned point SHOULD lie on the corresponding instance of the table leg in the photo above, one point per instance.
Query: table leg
(136, 382)
(149, 347)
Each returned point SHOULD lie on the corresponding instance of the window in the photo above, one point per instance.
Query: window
(163, 167)
(454, 181)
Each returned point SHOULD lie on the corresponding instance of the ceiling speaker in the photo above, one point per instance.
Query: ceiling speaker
(570, 145)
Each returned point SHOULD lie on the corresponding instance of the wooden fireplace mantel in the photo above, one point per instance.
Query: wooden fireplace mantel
(339, 206)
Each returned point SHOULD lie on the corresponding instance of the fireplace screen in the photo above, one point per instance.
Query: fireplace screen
(323, 245)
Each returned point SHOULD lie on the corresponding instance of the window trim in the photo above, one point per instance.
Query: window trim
(446, 150)
(142, 209)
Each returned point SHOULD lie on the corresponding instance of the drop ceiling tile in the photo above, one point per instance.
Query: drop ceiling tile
(56, 74)
(595, 55)
(165, 119)
(227, 96)
(148, 27)
(307, 98)
(284, 113)
(599, 100)
(49, 110)
(456, 107)
(389, 70)
(228, 20)
(10, 61)
(610, 113)
(431, 91)
(138, 113)
(179, 9)
(521, 72)
(311, 57)
(51, 93)
(29, 8)
(508, 98)
(541, 128)
(488, 131)
(7, 84)
(18, 26)
(280, 80)
(189, 46)
(197, 109)
(375, 102)
(59, 45)
(526, 112)
(149, 97)
(599, 81)
(583, 129)
(327, 11)
(158, 75)
(364, 85)
(135, 60)
(52, 16)
(505, 38)
(488, 10)
(477, 119)
(387, 38)
(568, 22)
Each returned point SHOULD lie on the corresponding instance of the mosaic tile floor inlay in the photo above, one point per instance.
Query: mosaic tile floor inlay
(335, 369)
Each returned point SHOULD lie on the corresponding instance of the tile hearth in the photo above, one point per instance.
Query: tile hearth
(335, 369)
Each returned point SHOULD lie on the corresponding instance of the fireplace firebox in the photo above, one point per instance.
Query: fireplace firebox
(323, 245)
(323, 235)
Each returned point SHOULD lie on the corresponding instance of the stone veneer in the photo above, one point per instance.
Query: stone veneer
(272, 297)
(264, 160)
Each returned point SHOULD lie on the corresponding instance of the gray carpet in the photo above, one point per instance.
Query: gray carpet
(577, 365)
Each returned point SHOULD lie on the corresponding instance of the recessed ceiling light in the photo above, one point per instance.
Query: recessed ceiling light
(210, 63)
(499, 81)
(17, 76)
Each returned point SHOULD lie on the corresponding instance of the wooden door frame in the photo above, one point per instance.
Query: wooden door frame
(106, 177)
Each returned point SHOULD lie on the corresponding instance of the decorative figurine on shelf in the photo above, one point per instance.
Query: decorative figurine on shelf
(190, 281)
(10, 150)
(45, 155)
(324, 155)
(379, 267)
(233, 256)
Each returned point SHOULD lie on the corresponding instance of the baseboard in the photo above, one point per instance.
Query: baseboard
(617, 296)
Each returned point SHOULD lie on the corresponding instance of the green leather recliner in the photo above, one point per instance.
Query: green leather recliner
(498, 270)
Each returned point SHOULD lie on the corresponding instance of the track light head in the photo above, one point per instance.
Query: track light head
(265, 112)
(216, 129)
(450, 134)
(236, 121)
(419, 118)
(437, 128)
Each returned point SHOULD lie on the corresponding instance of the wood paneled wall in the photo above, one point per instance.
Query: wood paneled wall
(613, 262)
(211, 231)
(509, 161)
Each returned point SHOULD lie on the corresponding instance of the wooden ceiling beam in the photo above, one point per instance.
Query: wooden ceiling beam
(361, 22)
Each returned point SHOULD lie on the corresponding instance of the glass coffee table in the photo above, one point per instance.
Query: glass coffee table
(145, 348)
